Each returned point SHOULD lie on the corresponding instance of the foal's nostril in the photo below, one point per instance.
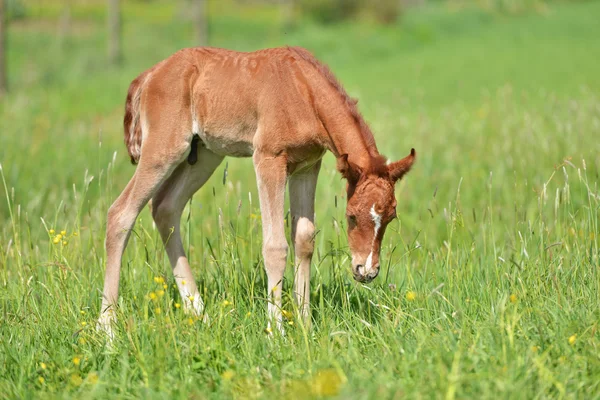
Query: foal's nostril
(358, 270)
(374, 272)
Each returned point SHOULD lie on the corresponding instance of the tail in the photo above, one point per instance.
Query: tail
(131, 121)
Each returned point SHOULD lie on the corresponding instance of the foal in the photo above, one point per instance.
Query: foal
(284, 109)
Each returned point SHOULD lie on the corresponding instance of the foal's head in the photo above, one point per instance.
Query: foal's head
(371, 206)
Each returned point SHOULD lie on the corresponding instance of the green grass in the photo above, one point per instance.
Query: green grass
(497, 237)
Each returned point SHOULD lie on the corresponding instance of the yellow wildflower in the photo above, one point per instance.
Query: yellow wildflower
(92, 378)
(160, 293)
(572, 339)
(51, 231)
(177, 305)
(41, 380)
(228, 375)
(63, 233)
(328, 382)
(82, 312)
(152, 296)
(191, 299)
(183, 282)
(64, 243)
(76, 360)
(513, 298)
(286, 314)
(157, 310)
(75, 234)
(248, 314)
(43, 365)
(268, 330)
(165, 286)
(81, 341)
(225, 303)
(411, 296)
(190, 321)
(76, 380)
(56, 240)
(83, 323)
(159, 279)
(290, 322)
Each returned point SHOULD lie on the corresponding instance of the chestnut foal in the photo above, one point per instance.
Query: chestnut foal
(284, 109)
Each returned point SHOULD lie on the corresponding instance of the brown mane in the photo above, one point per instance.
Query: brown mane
(377, 165)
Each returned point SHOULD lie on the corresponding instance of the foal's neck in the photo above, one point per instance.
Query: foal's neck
(349, 134)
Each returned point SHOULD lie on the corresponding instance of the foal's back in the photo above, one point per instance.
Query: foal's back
(237, 102)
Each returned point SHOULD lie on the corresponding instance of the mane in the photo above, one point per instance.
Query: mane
(377, 161)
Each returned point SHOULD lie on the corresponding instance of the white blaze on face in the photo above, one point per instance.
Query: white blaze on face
(377, 221)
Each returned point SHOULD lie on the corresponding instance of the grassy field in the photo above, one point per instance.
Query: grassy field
(490, 285)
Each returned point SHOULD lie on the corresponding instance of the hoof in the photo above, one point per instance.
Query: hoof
(105, 326)
(195, 307)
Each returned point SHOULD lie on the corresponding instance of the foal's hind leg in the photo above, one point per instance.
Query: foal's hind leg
(156, 164)
(167, 207)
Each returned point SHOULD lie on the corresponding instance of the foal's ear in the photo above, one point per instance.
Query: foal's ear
(348, 169)
(399, 168)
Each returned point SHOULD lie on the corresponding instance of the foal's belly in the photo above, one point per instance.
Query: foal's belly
(232, 142)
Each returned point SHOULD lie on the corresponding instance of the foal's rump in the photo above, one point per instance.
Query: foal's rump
(157, 96)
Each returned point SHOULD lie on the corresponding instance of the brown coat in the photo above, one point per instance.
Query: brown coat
(283, 108)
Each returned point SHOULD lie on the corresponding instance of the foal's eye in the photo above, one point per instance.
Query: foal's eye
(352, 219)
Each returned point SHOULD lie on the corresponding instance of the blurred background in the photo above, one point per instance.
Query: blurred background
(65, 67)
(481, 88)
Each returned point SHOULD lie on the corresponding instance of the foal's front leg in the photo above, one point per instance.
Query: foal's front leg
(271, 175)
(302, 205)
